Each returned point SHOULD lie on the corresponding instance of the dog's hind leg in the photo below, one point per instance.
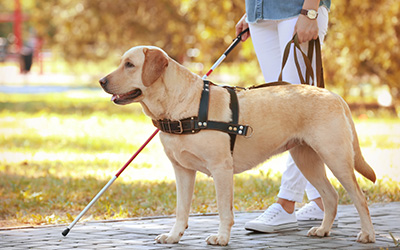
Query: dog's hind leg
(347, 178)
(185, 180)
(367, 234)
(338, 154)
(312, 167)
(223, 181)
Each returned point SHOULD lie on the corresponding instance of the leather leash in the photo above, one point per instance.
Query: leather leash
(307, 60)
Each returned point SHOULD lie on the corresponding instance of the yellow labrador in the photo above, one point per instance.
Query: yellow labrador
(313, 123)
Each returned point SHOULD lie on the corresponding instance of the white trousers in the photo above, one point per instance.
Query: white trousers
(269, 38)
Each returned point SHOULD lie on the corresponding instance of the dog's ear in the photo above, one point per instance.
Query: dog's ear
(154, 65)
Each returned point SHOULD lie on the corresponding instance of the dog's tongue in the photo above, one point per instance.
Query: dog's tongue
(114, 97)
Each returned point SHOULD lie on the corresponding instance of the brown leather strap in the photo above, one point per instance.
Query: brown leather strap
(310, 58)
(270, 84)
(184, 126)
(318, 61)
(307, 60)
(319, 67)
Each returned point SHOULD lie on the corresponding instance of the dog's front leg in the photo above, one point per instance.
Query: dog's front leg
(223, 180)
(185, 180)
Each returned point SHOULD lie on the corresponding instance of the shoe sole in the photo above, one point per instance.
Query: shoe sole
(305, 223)
(272, 229)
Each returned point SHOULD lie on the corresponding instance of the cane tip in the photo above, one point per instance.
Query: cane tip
(65, 232)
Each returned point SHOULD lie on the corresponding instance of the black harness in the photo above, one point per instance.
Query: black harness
(194, 124)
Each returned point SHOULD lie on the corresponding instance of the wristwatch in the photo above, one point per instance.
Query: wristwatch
(312, 14)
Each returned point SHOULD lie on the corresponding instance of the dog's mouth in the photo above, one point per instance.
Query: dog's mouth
(126, 98)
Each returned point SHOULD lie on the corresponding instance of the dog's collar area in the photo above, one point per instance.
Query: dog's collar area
(193, 125)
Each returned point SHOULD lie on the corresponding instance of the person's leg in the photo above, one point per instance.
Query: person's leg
(313, 195)
(269, 40)
(265, 39)
(323, 17)
(293, 182)
(264, 35)
(292, 187)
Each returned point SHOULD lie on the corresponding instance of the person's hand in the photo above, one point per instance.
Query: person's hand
(306, 29)
(242, 25)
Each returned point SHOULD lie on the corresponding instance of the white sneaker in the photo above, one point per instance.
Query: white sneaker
(311, 214)
(274, 219)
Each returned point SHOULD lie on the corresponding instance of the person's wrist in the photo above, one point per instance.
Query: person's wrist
(310, 13)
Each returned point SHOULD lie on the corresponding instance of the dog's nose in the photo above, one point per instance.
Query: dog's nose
(103, 81)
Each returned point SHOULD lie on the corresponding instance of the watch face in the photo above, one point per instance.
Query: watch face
(312, 14)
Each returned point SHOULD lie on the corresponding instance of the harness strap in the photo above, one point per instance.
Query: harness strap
(194, 124)
(191, 126)
(204, 103)
(234, 105)
(184, 126)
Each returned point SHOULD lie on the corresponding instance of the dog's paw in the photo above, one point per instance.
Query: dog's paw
(318, 231)
(364, 237)
(217, 240)
(166, 239)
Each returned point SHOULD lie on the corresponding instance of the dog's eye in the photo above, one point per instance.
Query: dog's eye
(129, 65)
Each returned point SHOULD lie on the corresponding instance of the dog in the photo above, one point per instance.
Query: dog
(314, 124)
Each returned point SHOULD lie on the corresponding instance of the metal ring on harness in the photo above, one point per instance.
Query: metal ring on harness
(251, 131)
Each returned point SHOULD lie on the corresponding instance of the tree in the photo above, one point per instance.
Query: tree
(363, 43)
(94, 29)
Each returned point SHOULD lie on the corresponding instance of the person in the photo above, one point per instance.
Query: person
(272, 25)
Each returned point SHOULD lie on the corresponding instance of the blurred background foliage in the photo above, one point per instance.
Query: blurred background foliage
(69, 139)
(361, 48)
(362, 45)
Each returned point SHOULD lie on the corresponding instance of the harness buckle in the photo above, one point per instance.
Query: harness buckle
(180, 126)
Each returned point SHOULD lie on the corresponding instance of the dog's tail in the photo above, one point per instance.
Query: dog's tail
(359, 162)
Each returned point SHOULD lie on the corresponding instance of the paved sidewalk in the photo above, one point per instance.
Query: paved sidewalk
(140, 233)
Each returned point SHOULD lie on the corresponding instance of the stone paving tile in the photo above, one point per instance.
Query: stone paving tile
(140, 234)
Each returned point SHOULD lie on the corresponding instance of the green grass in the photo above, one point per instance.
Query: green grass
(58, 150)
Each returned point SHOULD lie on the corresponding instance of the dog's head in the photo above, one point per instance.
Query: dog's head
(140, 67)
